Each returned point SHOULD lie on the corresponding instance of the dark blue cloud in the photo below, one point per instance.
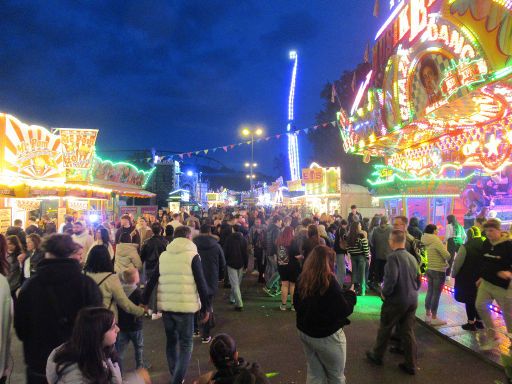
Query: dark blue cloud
(180, 75)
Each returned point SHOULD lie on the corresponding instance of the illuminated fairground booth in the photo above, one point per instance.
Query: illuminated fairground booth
(50, 173)
(322, 189)
(436, 107)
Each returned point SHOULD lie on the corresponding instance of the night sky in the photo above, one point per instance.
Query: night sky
(176, 75)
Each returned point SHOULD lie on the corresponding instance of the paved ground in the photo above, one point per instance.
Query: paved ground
(455, 315)
(267, 335)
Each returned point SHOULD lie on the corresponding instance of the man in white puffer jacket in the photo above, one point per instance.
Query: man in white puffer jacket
(181, 292)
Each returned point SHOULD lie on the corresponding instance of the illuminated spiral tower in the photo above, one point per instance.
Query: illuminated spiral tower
(293, 144)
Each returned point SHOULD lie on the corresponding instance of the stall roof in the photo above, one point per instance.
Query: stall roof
(29, 188)
(134, 192)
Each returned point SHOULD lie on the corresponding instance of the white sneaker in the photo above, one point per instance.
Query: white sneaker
(438, 322)
(428, 319)
(490, 345)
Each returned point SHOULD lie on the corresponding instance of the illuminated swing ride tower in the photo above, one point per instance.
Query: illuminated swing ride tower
(293, 145)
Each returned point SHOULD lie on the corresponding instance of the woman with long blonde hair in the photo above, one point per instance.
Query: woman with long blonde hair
(322, 308)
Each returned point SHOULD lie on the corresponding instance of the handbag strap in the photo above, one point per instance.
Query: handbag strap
(106, 277)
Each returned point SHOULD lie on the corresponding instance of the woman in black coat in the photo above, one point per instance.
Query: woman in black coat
(466, 272)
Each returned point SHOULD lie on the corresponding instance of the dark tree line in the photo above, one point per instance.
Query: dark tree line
(327, 144)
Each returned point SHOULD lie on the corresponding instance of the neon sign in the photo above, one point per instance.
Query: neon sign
(412, 18)
(449, 36)
(403, 99)
(463, 74)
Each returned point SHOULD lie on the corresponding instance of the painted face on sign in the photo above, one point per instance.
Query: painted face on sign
(430, 80)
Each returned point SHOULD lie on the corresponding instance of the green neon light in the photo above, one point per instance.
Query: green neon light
(420, 180)
(122, 163)
(379, 167)
(416, 196)
(147, 174)
(502, 73)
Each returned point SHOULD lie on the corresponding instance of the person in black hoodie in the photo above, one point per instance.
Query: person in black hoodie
(34, 255)
(496, 275)
(127, 233)
(322, 308)
(466, 270)
(49, 302)
(237, 259)
(230, 367)
(213, 262)
(152, 249)
(32, 227)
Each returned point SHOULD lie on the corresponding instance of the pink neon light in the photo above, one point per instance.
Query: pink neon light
(390, 19)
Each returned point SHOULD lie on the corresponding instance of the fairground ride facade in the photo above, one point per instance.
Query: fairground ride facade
(437, 108)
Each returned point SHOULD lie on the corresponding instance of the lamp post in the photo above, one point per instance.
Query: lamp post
(248, 132)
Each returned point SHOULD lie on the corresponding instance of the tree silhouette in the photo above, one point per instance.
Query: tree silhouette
(326, 141)
(280, 166)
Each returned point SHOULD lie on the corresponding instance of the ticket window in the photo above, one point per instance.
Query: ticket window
(393, 207)
(441, 207)
(418, 207)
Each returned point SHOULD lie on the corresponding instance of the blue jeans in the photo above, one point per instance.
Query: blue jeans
(235, 279)
(325, 358)
(435, 281)
(359, 271)
(341, 268)
(179, 328)
(137, 339)
(271, 268)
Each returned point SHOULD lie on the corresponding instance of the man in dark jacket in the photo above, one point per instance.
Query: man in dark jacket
(257, 241)
(32, 227)
(237, 259)
(354, 216)
(380, 244)
(152, 249)
(400, 295)
(49, 302)
(271, 234)
(17, 230)
(213, 262)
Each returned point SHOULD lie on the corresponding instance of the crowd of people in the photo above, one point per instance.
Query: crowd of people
(80, 292)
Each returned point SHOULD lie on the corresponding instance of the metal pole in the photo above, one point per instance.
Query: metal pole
(252, 160)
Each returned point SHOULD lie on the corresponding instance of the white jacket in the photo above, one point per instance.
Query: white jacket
(84, 239)
(127, 256)
(73, 375)
(177, 291)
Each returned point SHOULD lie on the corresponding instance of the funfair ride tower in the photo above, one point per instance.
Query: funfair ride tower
(293, 145)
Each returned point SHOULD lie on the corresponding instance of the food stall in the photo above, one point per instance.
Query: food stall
(127, 184)
(436, 108)
(54, 173)
(322, 189)
(33, 168)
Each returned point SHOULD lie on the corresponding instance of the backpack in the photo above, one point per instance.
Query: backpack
(420, 253)
(282, 256)
(340, 240)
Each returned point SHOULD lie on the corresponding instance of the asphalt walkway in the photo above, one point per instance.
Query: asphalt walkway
(267, 335)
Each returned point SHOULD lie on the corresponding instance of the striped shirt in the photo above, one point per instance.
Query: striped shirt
(360, 248)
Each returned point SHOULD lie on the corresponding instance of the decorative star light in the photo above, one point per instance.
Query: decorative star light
(492, 145)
